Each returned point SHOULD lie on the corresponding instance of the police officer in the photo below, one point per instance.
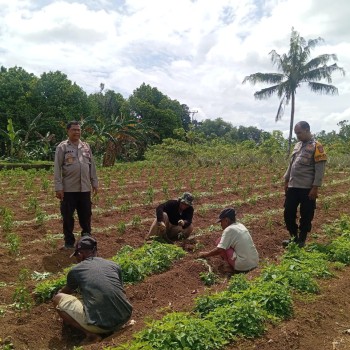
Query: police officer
(74, 175)
(302, 180)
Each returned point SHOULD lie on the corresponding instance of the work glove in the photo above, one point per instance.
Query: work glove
(181, 223)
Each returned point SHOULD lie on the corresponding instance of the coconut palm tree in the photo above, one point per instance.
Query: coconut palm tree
(295, 68)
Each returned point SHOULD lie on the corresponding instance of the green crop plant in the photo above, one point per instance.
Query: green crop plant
(192, 184)
(339, 249)
(177, 187)
(209, 302)
(136, 221)
(109, 202)
(272, 297)
(177, 331)
(46, 289)
(32, 204)
(29, 183)
(208, 278)
(51, 239)
(165, 189)
(107, 180)
(14, 242)
(244, 318)
(125, 207)
(149, 195)
(151, 258)
(7, 220)
(238, 283)
(326, 204)
(2, 312)
(301, 281)
(269, 223)
(7, 345)
(40, 216)
(22, 299)
(339, 266)
(121, 227)
(45, 184)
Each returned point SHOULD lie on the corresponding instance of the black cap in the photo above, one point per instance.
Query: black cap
(85, 243)
(227, 213)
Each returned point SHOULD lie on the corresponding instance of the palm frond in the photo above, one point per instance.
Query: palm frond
(272, 78)
(323, 88)
(324, 72)
(267, 92)
(280, 110)
(320, 60)
(314, 42)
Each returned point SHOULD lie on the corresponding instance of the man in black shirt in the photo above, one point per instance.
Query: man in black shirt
(104, 307)
(174, 219)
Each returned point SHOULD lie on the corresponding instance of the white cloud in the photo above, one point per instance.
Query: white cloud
(197, 52)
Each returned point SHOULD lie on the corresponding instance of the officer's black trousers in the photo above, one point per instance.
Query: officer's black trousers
(294, 198)
(81, 202)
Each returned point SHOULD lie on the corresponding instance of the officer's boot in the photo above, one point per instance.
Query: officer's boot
(302, 239)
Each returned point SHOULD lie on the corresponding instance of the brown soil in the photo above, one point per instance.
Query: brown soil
(322, 323)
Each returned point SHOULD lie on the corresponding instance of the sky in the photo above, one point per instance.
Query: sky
(195, 51)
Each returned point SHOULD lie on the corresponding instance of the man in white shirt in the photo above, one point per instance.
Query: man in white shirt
(236, 246)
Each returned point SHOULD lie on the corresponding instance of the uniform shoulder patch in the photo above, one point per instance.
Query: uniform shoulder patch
(320, 154)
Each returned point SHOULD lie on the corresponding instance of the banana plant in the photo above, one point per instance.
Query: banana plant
(14, 137)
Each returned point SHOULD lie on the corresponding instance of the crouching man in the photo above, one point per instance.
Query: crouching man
(235, 246)
(104, 307)
(174, 219)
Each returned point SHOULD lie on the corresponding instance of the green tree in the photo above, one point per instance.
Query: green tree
(59, 100)
(156, 110)
(105, 103)
(15, 99)
(295, 68)
(214, 128)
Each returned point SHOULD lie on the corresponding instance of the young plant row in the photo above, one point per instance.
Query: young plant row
(247, 307)
(136, 264)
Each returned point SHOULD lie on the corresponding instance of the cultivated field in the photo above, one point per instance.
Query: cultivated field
(123, 211)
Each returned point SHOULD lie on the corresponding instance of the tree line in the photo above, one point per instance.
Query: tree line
(34, 111)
